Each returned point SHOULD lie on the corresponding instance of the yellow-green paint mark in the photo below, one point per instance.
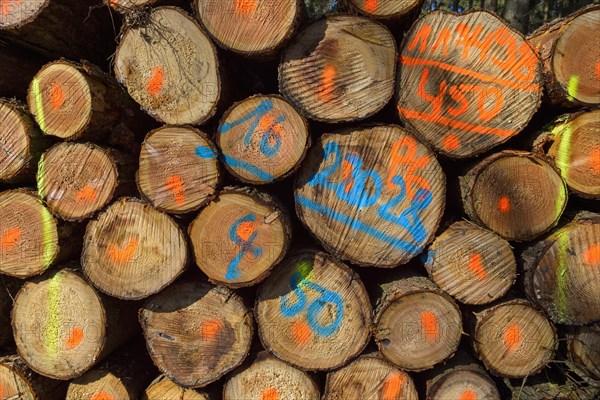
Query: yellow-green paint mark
(52, 333)
(564, 136)
(562, 276)
(573, 87)
(48, 237)
(41, 175)
(39, 106)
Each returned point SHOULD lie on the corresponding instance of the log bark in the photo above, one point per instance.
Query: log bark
(369, 377)
(262, 139)
(196, 332)
(21, 143)
(562, 274)
(583, 345)
(541, 389)
(250, 27)
(132, 251)
(163, 388)
(170, 67)
(313, 312)
(18, 381)
(62, 326)
(17, 67)
(75, 180)
(572, 143)
(178, 169)
(569, 54)
(472, 264)
(462, 382)
(513, 339)
(240, 236)
(503, 193)
(416, 324)
(352, 64)
(373, 196)
(269, 378)
(467, 82)
(31, 239)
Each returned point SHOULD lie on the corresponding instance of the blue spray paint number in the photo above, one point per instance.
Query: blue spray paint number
(246, 245)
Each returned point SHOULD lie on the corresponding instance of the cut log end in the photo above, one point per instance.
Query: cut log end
(60, 99)
(98, 385)
(502, 193)
(370, 377)
(472, 264)
(178, 169)
(313, 312)
(132, 250)
(163, 388)
(170, 67)
(261, 26)
(584, 351)
(14, 14)
(352, 63)
(28, 234)
(372, 196)
(262, 139)
(462, 383)
(196, 332)
(269, 378)
(386, 9)
(467, 82)
(17, 381)
(239, 237)
(513, 339)
(416, 324)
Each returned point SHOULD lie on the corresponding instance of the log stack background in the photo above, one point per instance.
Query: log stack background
(242, 199)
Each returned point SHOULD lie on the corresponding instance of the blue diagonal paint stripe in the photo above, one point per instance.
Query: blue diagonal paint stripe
(259, 173)
(205, 152)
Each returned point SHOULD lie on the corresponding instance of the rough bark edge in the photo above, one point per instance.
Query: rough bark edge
(433, 385)
(399, 16)
(42, 388)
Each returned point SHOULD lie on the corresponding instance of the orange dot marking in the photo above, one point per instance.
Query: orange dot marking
(512, 337)
(155, 83)
(210, 329)
(302, 332)
(592, 255)
(10, 239)
(327, 83)
(57, 96)
(2, 392)
(175, 185)
(595, 160)
(504, 205)
(123, 255)
(102, 396)
(392, 387)
(267, 122)
(270, 394)
(245, 230)
(88, 193)
(476, 266)
(468, 394)
(75, 338)
(371, 6)
(5, 10)
(597, 70)
(430, 327)
(451, 142)
(346, 173)
(245, 7)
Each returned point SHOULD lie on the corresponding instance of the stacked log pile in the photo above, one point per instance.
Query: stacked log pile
(252, 199)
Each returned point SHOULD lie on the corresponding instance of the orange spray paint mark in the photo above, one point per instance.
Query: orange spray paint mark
(102, 396)
(429, 323)
(210, 329)
(371, 6)
(11, 238)
(512, 337)
(346, 173)
(392, 387)
(2, 392)
(476, 266)
(75, 338)
(327, 85)
(594, 160)
(5, 10)
(270, 394)
(267, 122)
(245, 230)
(597, 70)
(123, 255)
(504, 205)
(88, 193)
(57, 96)
(592, 255)
(301, 331)
(156, 81)
(451, 142)
(245, 7)
(175, 185)
(468, 394)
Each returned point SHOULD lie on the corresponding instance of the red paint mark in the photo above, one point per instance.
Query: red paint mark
(512, 337)
(371, 6)
(10, 239)
(123, 255)
(210, 329)
(102, 396)
(270, 394)
(75, 338)
(429, 324)
(327, 86)
(594, 160)
(156, 81)
(57, 96)
(88, 193)
(302, 333)
(392, 387)
(476, 266)
(468, 394)
(6, 6)
(175, 185)
(451, 142)
(245, 7)
(245, 230)
(592, 255)
(597, 70)
(504, 205)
